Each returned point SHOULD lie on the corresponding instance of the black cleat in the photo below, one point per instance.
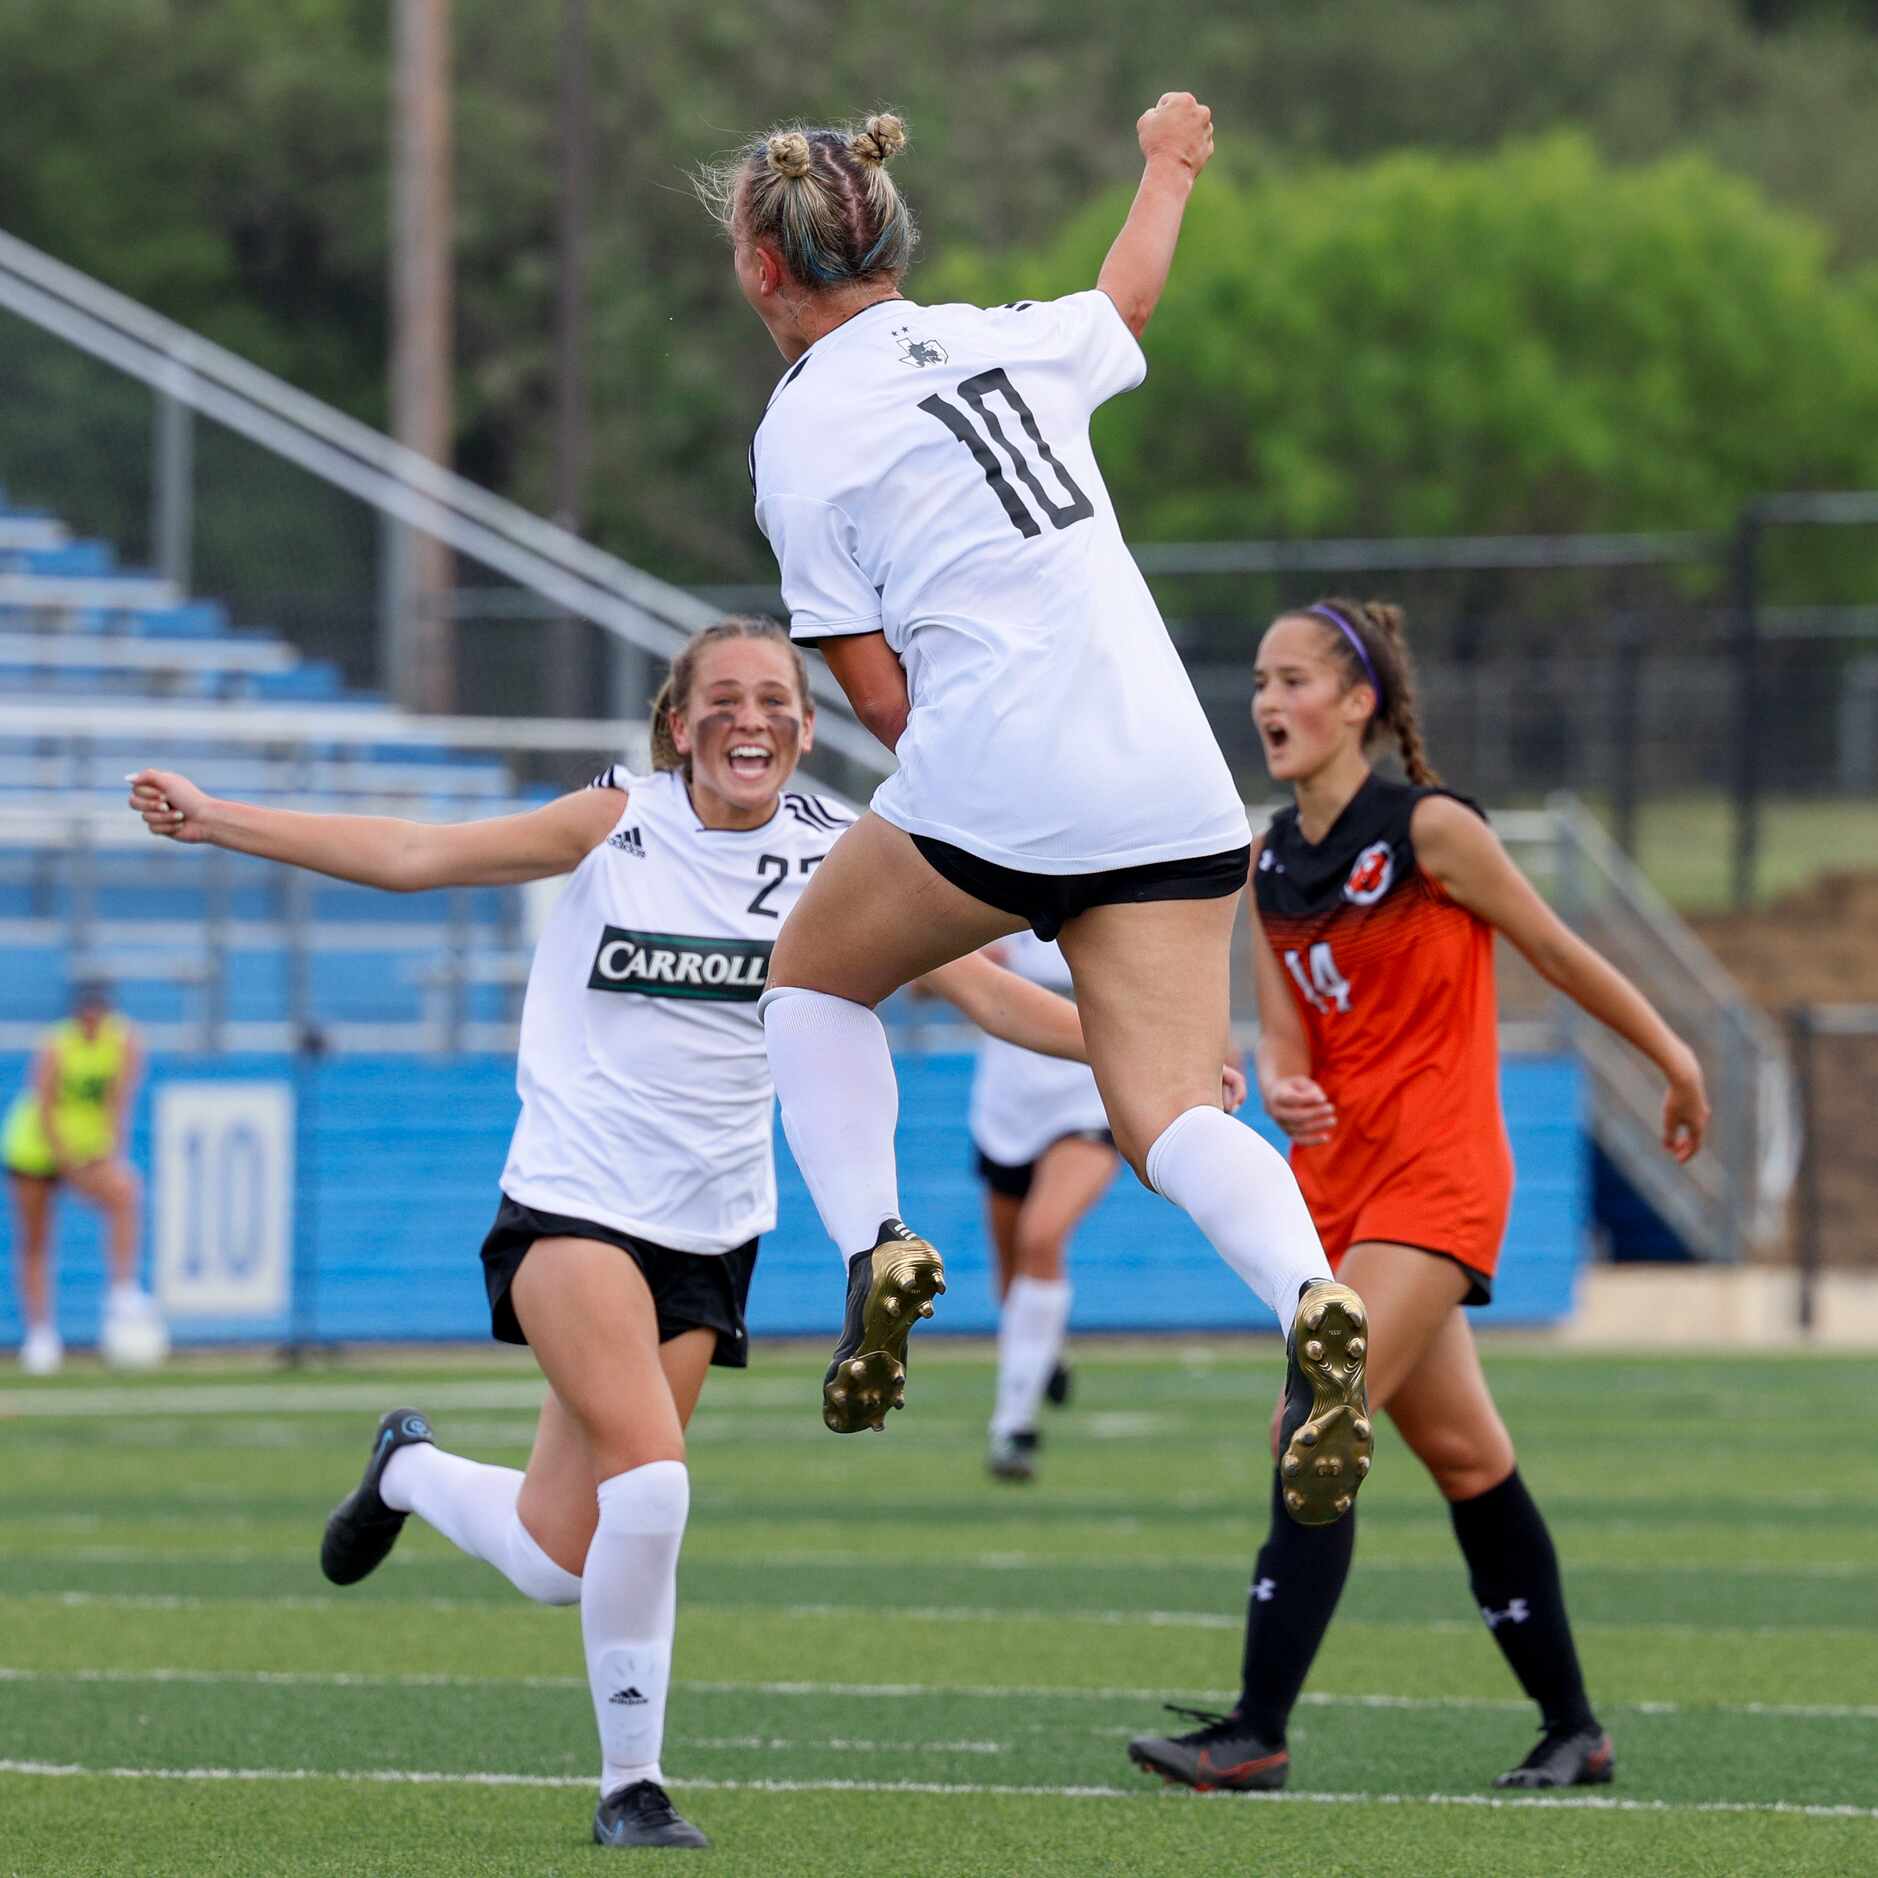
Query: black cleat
(888, 1288)
(1056, 1390)
(1221, 1754)
(643, 1814)
(1565, 1757)
(1013, 1457)
(362, 1529)
(1326, 1441)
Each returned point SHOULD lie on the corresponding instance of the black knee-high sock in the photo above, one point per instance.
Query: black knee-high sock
(1514, 1573)
(1295, 1587)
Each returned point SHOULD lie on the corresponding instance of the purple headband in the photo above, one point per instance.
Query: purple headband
(1356, 641)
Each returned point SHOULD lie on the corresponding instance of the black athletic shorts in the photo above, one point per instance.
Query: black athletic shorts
(1045, 901)
(690, 1290)
(1013, 1182)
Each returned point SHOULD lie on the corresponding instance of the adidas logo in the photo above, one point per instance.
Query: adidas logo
(628, 1697)
(628, 841)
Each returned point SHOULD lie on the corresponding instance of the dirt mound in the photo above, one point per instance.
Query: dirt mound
(1820, 946)
(1816, 946)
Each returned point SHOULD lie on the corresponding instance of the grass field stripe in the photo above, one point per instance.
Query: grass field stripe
(903, 1691)
(925, 1613)
(347, 1398)
(389, 1776)
(995, 1564)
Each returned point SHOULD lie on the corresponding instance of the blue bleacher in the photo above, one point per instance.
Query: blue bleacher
(195, 619)
(123, 887)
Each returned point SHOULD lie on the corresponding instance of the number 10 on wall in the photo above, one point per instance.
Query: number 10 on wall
(224, 1198)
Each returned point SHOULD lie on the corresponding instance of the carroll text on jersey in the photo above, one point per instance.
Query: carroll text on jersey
(673, 965)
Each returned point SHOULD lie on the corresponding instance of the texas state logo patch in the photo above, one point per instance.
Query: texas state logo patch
(1370, 877)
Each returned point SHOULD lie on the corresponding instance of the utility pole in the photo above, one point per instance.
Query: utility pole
(570, 640)
(420, 630)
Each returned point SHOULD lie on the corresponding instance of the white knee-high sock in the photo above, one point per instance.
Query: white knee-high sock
(840, 1102)
(628, 1606)
(1239, 1192)
(1030, 1339)
(473, 1506)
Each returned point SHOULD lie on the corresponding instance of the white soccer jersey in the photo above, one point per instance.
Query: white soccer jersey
(926, 472)
(1021, 1102)
(646, 1096)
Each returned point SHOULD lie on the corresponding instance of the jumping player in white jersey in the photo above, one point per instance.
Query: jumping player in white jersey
(1045, 1155)
(645, 1131)
(925, 477)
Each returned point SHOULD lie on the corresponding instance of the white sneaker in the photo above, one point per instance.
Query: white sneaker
(135, 1336)
(43, 1353)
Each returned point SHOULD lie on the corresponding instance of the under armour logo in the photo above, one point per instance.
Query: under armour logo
(1264, 1589)
(628, 1697)
(1516, 1612)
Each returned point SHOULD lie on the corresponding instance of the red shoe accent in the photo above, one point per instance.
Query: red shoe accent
(1243, 1769)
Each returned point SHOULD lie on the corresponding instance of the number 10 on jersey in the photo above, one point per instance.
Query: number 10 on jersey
(977, 392)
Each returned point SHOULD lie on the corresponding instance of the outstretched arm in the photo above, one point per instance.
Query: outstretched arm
(1176, 141)
(1458, 850)
(381, 850)
(1005, 1005)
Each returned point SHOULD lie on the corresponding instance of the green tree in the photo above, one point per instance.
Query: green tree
(1534, 341)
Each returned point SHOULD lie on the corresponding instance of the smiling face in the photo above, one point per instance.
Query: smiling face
(744, 727)
(1306, 713)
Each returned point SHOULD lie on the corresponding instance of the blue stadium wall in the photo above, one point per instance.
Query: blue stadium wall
(397, 1162)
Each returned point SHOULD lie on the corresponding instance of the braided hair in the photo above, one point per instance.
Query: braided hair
(1365, 639)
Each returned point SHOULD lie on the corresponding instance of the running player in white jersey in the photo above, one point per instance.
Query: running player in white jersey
(1045, 1156)
(645, 1131)
(925, 477)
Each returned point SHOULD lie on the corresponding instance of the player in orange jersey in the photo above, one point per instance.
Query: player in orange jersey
(1375, 907)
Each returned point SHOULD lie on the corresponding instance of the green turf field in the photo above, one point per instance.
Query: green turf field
(889, 1665)
(1685, 843)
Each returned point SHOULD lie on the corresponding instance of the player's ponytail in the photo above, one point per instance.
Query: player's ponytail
(823, 197)
(674, 699)
(1367, 640)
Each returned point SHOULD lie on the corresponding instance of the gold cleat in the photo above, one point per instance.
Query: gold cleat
(889, 1290)
(1326, 1430)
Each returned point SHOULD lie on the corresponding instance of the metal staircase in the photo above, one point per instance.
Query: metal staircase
(1730, 1200)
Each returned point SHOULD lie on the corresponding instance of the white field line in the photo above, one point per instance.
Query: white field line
(901, 1691)
(284, 1398)
(921, 1613)
(387, 1776)
(996, 1562)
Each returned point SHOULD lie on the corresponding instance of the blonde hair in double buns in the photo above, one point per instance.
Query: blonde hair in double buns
(823, 196)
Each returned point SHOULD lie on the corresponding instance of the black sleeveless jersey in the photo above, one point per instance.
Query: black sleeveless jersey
(1383, 966)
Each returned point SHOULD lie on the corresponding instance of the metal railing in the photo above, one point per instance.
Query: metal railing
(190, 376)
(1731, 1198)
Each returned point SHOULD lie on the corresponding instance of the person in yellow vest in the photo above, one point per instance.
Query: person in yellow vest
(67, 1127)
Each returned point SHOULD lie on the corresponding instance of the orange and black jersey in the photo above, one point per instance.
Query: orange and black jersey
(1393, 984)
